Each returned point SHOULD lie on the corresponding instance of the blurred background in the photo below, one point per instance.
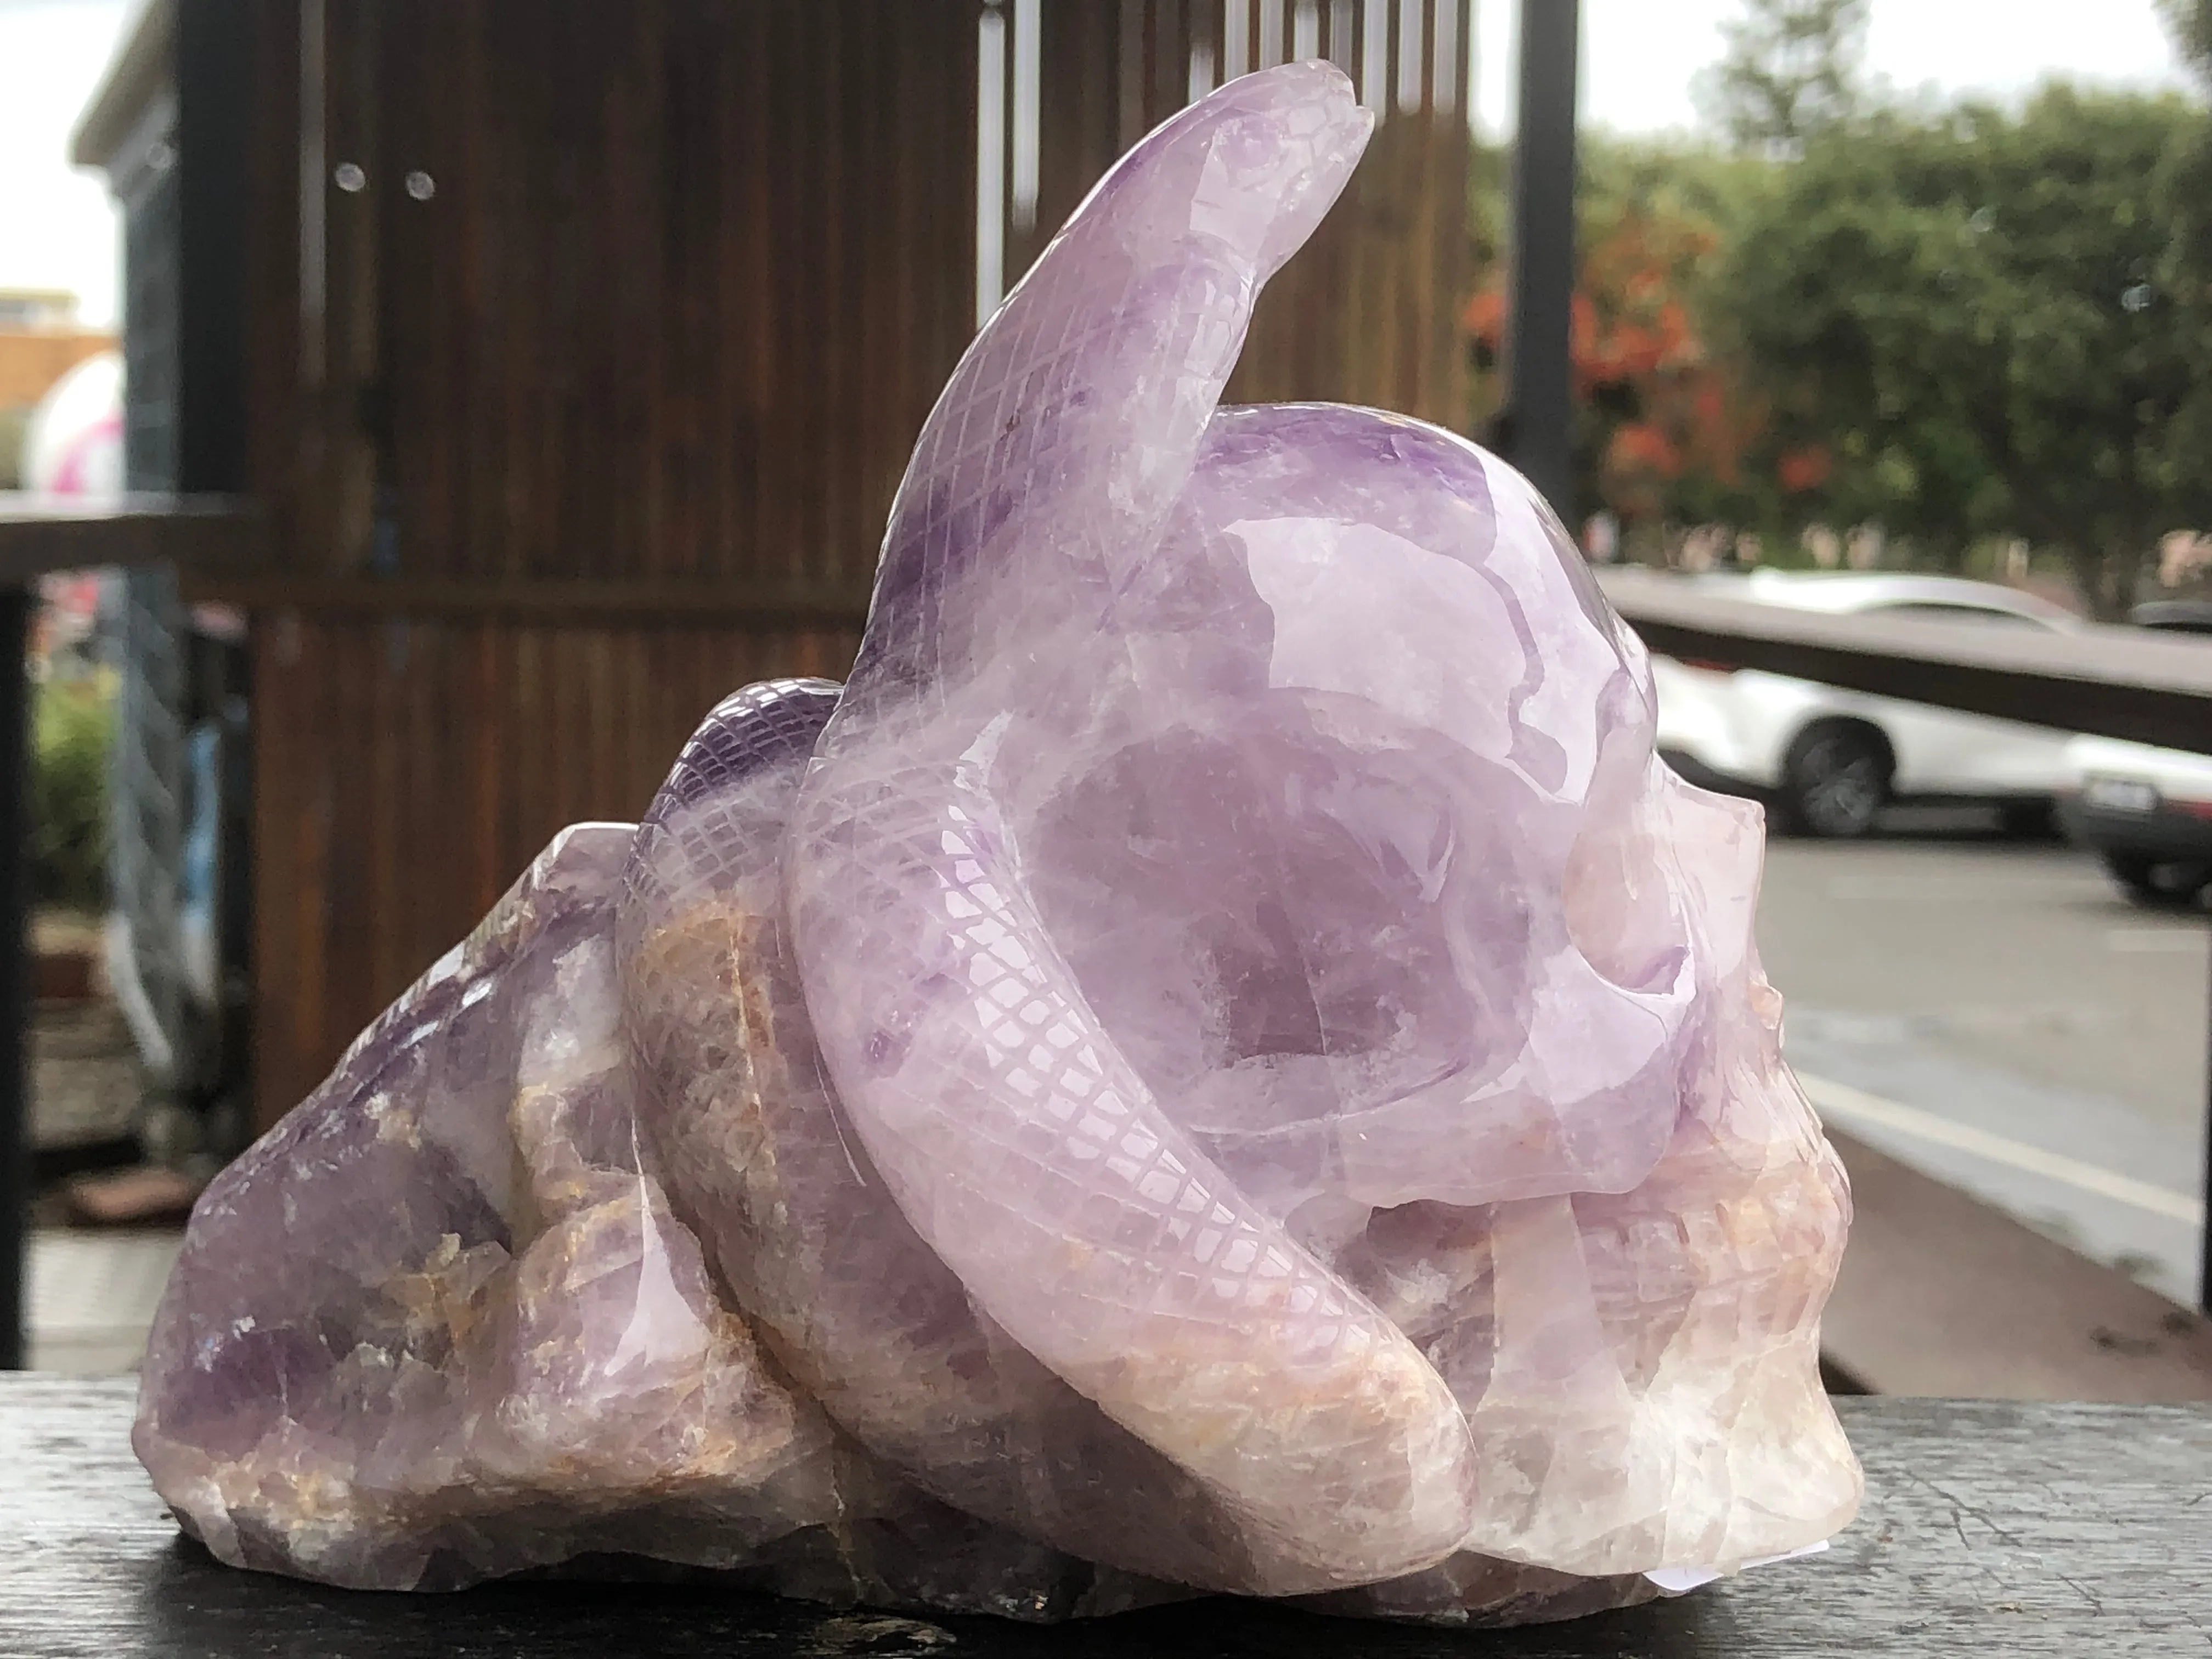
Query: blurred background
(447, 405)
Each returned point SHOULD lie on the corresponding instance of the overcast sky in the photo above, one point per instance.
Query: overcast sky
(56, 227)
(56, 230)
(1639, 56)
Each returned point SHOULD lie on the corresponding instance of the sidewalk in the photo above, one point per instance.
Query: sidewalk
(92, 1296)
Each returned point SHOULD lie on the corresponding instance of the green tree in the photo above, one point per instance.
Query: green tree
(1663, 427)
(2191, 21)
(1791, 70)
(1967, 309)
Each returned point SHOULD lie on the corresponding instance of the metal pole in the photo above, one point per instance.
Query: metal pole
(1540, 429)
(2204, 1230)
(15, 1001)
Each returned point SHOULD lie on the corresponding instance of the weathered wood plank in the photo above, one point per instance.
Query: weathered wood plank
(1941, 1294)
(1991, 1528)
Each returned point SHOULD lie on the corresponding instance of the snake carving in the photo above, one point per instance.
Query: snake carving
(1220, 1061)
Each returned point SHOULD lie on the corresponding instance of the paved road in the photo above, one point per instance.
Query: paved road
(1995, 1013)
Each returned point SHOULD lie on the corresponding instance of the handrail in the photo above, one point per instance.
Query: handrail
(222, 549)
(544, 601)
(2111, 682)
(205, 533)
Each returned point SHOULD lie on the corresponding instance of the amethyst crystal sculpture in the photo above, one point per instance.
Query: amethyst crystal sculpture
(1220, 1062)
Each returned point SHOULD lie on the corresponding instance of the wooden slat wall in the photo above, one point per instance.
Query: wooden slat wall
(685, 282)
(689, 279)
(410, 769)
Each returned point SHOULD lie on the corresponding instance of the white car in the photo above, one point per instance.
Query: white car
(2146, 811)
(1830, 759)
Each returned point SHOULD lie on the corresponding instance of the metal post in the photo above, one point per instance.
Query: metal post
(2205, 1229)
(15, 975)
(1538, 432)
(215, 139)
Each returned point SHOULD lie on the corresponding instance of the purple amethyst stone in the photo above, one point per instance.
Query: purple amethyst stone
(1220, 1062)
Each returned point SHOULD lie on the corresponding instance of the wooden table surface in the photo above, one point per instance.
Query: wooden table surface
(1990, 1529)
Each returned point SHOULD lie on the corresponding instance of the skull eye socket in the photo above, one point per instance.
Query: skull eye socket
(1290, 938)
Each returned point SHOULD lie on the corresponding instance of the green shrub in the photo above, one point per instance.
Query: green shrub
(72, 726)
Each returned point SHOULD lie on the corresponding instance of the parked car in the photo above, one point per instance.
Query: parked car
(2146, 811)
(1830, 760)
(2174, 616)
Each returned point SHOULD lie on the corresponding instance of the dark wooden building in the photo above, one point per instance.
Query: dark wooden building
(573, 350)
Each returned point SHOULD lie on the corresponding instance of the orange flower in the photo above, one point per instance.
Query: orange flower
(1641, 444)
(1484, 316)
(1804, 469)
